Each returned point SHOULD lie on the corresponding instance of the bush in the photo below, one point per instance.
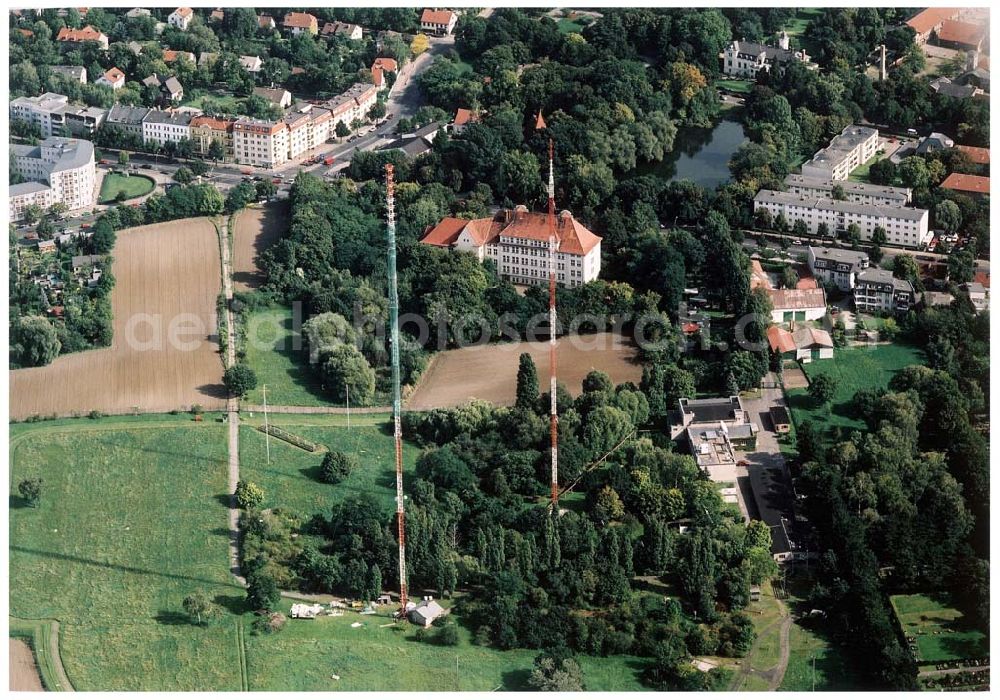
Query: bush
(336, 467)
(249, 494)
(239, 379)
(30, 490)
(447, 636)
(270, 623)
(95, 414)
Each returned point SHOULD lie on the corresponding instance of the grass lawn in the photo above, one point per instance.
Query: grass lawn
(228, 104)
(809, 639)
(292, 478)
(941, 631)
(797, 25)
(741, 86)
(133, 186)
(860, 173)
(853, 369)
(275, 349)
(568, 26)
(378, 658)
(130, 522)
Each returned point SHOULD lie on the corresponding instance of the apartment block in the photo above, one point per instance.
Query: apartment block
(854, 146)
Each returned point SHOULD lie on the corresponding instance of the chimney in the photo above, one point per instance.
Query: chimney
(783, 41)
(972, 59)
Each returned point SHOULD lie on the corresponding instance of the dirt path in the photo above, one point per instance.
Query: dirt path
(232, 406)
(785, 650)
(23, 671)
(775, 674)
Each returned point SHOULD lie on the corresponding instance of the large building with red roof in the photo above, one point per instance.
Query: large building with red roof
(973, 185)
(440, 22)
(517, 241)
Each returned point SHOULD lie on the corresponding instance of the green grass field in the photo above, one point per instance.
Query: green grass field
(291, 480)
(133, 186)
(832, 668)
(853, 369)
(305, 655)
(941, 631)
(860, 173)
(130, 522)
(228, 104)
(740, 86)
(275, 351)
(568, 26)
(797, 26)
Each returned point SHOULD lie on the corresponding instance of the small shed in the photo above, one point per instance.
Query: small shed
(780, 419)
(384, 599)
(754, 593)
(306, 612)
(426, 612)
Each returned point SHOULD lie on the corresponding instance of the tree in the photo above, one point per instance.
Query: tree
(342, 130)
(239, 379)
(904, 267)
(248, 495)
(345, 370)
(732, 386)
(961, 267)
(823, 230)
(199, 606)
(788, 277)
(336, 467)
(556, 674)
(216, 150)
(30, 490)
(419, 44)
(608, 506)
(838, 193)
(822, 389)
(123, 158)
(32, 213)
(527, 383)
(34, 341)
(948, 216)
(184, 175)
(262, 590)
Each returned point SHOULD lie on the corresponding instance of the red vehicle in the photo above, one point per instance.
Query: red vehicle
(84, 225)
(247, 171)
(104, 161)
(276, 181)
(329, 160)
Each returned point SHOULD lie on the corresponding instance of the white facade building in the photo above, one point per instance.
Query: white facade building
(260, 142)
(45, 111)
(518, 242)
(859, 192)
(353, 104)
(745, 59)
(63, 167)
(440, 22)
(841, 267)
(181, 18)
(878, 291)
(904, 226)
(159, 127)
(854, 146)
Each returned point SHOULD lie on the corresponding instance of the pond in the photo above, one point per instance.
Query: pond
(700, 155)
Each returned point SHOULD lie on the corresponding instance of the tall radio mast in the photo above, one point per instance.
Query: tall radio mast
(553, 403)
(397, 431)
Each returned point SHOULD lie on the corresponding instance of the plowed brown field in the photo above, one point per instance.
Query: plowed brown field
(253, 231)
(23, 672)
(490, 371)
(162, 358)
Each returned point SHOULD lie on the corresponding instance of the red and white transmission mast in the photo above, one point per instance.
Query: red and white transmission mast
(553, 402)
(397, 431)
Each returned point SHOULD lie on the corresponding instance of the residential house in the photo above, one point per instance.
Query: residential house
(804, 343)
(518, 242)
(252, 64)
(160, 127)
(266, 22)
(218, 15)
(904, 226)
(260, 142)
(380, 67)
(797, 304)
(978, 156)
(309, 126)
(276, 96)
(853, 147)
(83, 122)
(128, 119)
(878, 291)
(57, 170)
(438, 22)
(296, 23)
(745, 59)
(75, 73)
(73, 38)
(426, 612)
(344, 29)
(136, 12)
(46, 246)
(114, 78)
(206, 129)
(934, 142)
(977, 78)
(169, 56)
(979, 295)
(836, 265)
(207, 59)
(463, 117)
(353, 105)
(171, 90)
(416, 143)
(971, 185)
(181, 18)
(714, 429)
(135, 47)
